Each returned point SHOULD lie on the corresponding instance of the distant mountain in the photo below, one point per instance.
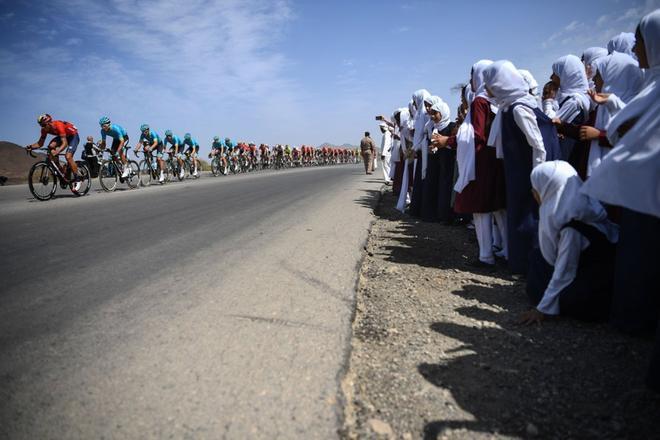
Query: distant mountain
(327, 144)
(15, 163)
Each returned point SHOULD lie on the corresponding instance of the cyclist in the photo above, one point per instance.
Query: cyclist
(66, 138)
(229, 145)
(192, 150)
(119, 141)
(264, 154)
(152, 142)
(218, 149)
(174, 151)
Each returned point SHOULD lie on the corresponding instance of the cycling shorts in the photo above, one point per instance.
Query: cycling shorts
(115, 144)
(72, 143)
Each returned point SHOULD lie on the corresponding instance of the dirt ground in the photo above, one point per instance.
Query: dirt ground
(437, 352)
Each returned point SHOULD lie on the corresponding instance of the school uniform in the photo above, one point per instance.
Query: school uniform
(438, 181)
(571, 271)
(419, 145)
(629, 176)
(524, 137)
(480, 185)
(574, 103)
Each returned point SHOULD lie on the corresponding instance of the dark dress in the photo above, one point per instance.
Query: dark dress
(417, 196)
(568, 143)
(398, 174)
(438, 185)
(589, 295)
(486, 193)
(579, 152)
(521, 208)
(636, 299)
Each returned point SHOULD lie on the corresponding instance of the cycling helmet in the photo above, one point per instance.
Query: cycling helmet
(104, 120)
(144, 127)
(187, 136)
(227, 140)
(44, 119)
(168, 132)
(216, 138)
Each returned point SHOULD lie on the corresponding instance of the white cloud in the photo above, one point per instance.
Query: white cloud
(198, 64)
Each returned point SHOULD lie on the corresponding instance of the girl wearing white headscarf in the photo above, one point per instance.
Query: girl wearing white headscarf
(532, 84)
(407, 130)
(589, 56)
(385, 150)
(622, 43)
(574, 107)
(436, 205)
(629, 176)
(480, 184)
(419, 145)
(525, 137)
(571, 273)
(619, 78)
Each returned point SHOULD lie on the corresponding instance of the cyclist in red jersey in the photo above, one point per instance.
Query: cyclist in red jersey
(66, 138)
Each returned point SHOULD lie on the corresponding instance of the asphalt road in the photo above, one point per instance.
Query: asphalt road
(217, 308)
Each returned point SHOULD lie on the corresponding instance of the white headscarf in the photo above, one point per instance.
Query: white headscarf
(622, 76)
(428, 128)
(533, 85)
(421, 118)
(559, 185)
(438, 105)
(443, 108)
(623, 43)
(465, 146)
(427, 134)
(572, 80)
(629, 175)
(590, 55)
(508, 87)
(396, 145)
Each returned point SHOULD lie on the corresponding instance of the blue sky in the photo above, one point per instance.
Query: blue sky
(270, 71)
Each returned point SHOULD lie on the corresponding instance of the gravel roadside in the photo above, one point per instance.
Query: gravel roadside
(437, 352)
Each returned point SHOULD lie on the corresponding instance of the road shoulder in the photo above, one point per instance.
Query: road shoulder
(436, 352)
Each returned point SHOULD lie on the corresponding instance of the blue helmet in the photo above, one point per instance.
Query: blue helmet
(187, 136)
(144, 127)
(168, 132)
(216, 138)
(104, 120)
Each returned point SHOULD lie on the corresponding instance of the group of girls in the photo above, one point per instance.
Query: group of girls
(564, 186)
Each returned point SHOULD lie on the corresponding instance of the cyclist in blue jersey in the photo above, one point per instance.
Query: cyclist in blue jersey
(152, 142)
(218, 149)
(119, 141)
(192, 150)
(175, 150)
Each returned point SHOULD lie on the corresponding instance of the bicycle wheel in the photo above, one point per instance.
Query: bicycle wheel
(166, 174)
(85, 182)
(108, 176)
(215, 167)
(133, 179)
(145, 173)
(42, 181)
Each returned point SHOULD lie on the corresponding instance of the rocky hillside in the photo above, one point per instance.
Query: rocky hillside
(14, 163)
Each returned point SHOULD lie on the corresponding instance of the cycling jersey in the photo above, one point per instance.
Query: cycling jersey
(229, 145)
(116, 132)
(151, 138)
(191, 143)
(59, 128)
(173, 140)
(217, 145)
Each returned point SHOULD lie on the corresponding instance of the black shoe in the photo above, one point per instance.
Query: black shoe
(478, 264)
